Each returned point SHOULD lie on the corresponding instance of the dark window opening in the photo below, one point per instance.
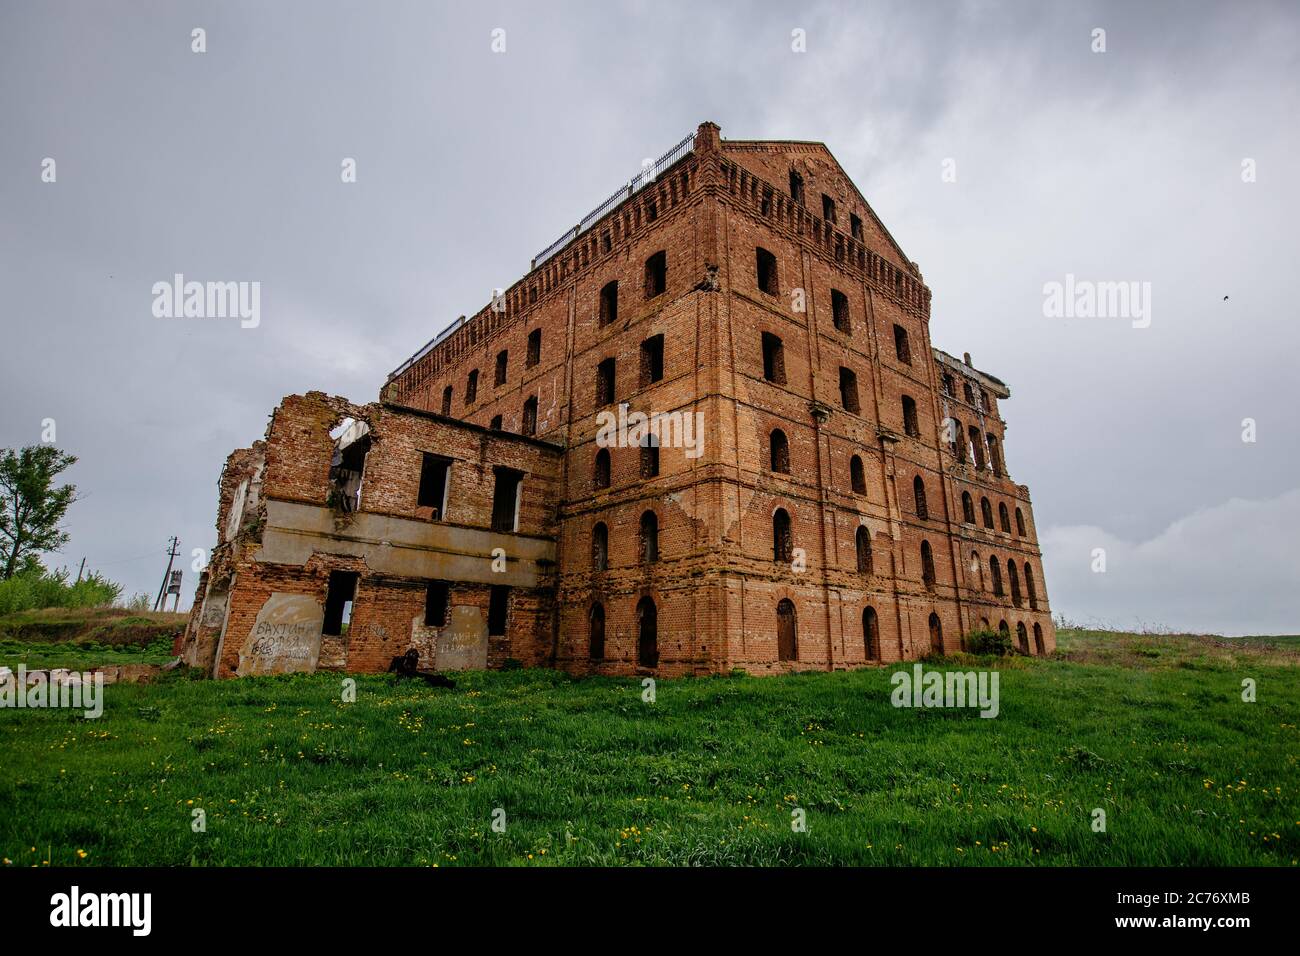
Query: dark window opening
(936, 635)
(605, 382)
(765, 203)
(855, 226)
(498, 610)
(529, 419)
(967, 508)
(339, 595)
(796, 187)
(652, 360)
(1022, 637)
(995, 456)
(947, 384)
(1020, 523)
(773, 359)
(1029, 587)
(600, 547)
(1039, 647)
(828, 209)
(434, 472)
(496, 423)
(656, 275)
(857, 475)
(779, 452)
(446, 400)
(910, 424)
(849, 390)
(596, 633)
(600, 473)
(609, 303)
(649, 456)
(437, 602)
(505, 499)
(995, 573)
(977, 448)
(986, 511)
(534, 354)
(901, 347)
(1013, 576)
(927, 564)
(503, 361)
(871, 634)
(968, 392)
(647, 636)
(862, 543)
(651, 211)
(649, 538)
(766, 271)
(471, 387)
(1004, 518)
(918, 496)
(348, 464)
(840, 311)
(782, 537)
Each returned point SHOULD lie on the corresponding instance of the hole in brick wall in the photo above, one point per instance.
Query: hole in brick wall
(534, 353)
(647, 638)
(471, 387)
(902, 349)
(927, 564)
(918, 496)
(870, 633)
(528, 425)
(609, 303)
(1020, 523)
(796, 187)
(1030, 590)
(600, 471)
(1004, 517)
(967, 508)
(782, 537)
(995, 575)
(498, 610)
(936, 634)
(605, 382)
(502, 367)
(505, 499)
(779, 452)
(910, 424)
(995, 456)
(828, 208)
(855, 226)
(656, 275)
(840, 311)
(862, 543)
(348, 463)
(600, 547)
(986, 512)
(977, 571)
(596, 632)
(434, 473)
(765, 265)
(948, 384)
(437, 603)
(649, 456)
(958, 443)
(339, 595)
(968, 393)
(446, 400)
(849, 390)
(857, 475)
(977, 448)
(773, 359)
(496, 423)
(649, 538)
(652, 360)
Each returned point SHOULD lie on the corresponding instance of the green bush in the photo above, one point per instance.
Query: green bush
(989, 642)
(36, 588)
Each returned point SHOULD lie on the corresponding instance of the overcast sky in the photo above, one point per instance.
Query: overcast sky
(1118, 165)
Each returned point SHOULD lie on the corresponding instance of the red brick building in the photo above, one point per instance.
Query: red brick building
(826, 489)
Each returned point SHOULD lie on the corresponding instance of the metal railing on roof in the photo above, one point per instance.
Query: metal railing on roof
(647, 175)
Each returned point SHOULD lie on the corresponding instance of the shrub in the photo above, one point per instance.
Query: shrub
(34, 588)
(989, 642)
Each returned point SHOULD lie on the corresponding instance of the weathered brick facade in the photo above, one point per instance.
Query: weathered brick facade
(786, 309)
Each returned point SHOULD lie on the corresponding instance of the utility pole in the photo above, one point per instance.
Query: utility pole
(172, 550)
(81, 569)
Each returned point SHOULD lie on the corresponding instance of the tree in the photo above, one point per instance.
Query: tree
(31, 508)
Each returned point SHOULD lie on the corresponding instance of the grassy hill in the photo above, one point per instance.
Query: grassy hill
(85, 637)
(1151, 729)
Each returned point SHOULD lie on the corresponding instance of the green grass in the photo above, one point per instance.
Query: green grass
(587, 773)
(97, 625)
(82, 656)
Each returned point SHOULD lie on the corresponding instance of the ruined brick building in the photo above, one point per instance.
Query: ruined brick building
(821, 488)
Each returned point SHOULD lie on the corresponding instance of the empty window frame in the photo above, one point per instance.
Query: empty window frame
(782, 537)
(656, 275)
(927, 564)
(471, 387)
(652, 360)
(435, 472)
(796, 187)
(600, 471)
(840, 311)
(649, 538)
(857, 476)
(505, 499)
(910, 423)
(862, 543)
(609, 303)
(855, 226)
(534, 353)
(340, 592)
(498, 610)
(849, 391)
(528, 421)
(446, 400)
(502, 367)
(765, 270)
(773, 359)
(605, 382)
(902, 349)
(600, 547)
(918, 497)
(437, 603)
(778, 452)
(828, 209)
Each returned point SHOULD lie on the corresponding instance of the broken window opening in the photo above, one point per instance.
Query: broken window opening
(849, 391)
(765, 264)
(498, 610)
(773, 359)
(496, 423)
(339, 595)
(605, 382)
(656, 275)
(855, 226)
(857, 476)
(910, 424)
(471, 387)
(437, 603)
(863, 544)
(986, 511)
(649, 538)
(446, 400)
(870, 633)
(902, 349)
(609, 303)
(779, 452)
(600, 472)
(348, 463)
(782, 537)
(596, 632)
(534, 353)
(840, 311)
(529, 418)
(918, 496)
(927, 564)
(796, 187)
(1004, 518)
(967, 508)
(647, 638)
(505, 499)
(649, 456)
(600, 547)
(435, 471)
(652, 360)
(503, 362)
(828, 209)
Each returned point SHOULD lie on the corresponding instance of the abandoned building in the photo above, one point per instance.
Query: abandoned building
(706, 431)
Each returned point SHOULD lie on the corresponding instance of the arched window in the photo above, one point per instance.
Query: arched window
(600, 473)
(864, 550)
(782, 538)
(1004, 518)
(647, 633)
(596, 632)
(976, 571)
(918, 495)
(1022, 635)
(779, 452)
(787, 631)
(649, 456)
(471, 387)
(1039, 647)
(968, 393)
(1029, 587)
(1003, 629)
(911, 424)
(849, 391)
(1013, 576)
(609, 303)
(986, 510)
(936, 634)
(446, 400)
(956, 438)
(927, 564)
(857, 475)
(871, 633)
(977, 448)
(1020, 523)
(995, 572)
(599, 547)
(649, 538)
(967, 508)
